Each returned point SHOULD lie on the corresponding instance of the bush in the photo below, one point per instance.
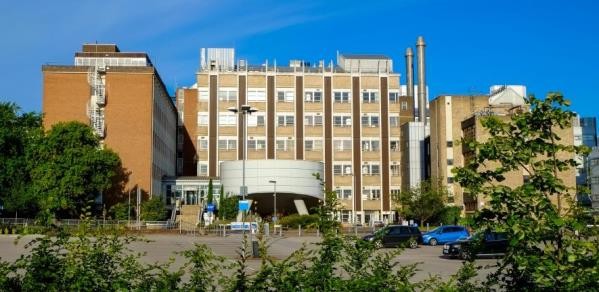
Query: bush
(119, 211)
(153, 210)
(450, 215)
(296, 220)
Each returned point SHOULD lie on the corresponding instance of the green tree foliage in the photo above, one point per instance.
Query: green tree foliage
(295, 220)
(449, 215)
(153, 210)
(71, 170)
(210, 195)
(121, 211)
(20, 133)
(228, 208)
(549, 247)
(423, 201)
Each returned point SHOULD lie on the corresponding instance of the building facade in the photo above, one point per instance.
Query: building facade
(346, 116)
(457, 117)
(122, 97)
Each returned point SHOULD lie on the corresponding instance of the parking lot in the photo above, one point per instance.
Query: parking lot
(162, 247)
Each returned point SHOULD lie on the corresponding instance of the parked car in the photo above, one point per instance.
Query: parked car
(444, 234)
(479, 244)
(394, 235)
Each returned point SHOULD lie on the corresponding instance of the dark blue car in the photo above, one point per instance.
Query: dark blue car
(444, 234)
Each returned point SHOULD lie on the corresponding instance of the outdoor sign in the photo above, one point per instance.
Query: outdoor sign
(210, 207)
(243, 226)
(244, 205)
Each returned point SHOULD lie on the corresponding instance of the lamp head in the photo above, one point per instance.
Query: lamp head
(233, 109)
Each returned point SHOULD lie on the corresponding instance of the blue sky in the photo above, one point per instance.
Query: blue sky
(545, 45)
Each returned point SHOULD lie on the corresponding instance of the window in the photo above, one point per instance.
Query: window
(394, 121)
(594, 161)
(371, 193)
(370, 120)
(256, 144)
(313, 119)
(393, 97)
(343, 194)
(342, 168)
(202, 169)
(203, 94)
(227, 94)
(394, 145)
(449, 161)
(395, 170)
(256, 94)
(449, 143)
(203, 143)
(404, 105)
(342, 121)
(202, 119)
(313, 144)
(372, 144)
(227, 119)
(227, 143)
(450, 180)
(285, 95)
(371, 168)
(345, 216)
(595, 180)
(285, 144)
(341, 96)
(342, 145)
(313, 96)
(285, 120)
(256, 120)
(370, 96)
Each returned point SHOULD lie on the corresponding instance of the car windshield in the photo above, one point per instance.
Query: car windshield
(436, 230)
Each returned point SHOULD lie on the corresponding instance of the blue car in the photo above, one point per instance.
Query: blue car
(444, 234)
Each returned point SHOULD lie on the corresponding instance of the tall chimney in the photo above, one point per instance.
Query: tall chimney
(421, 80)
(410, 75)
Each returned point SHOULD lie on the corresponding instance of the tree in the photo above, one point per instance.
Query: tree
(423, 201)
(153, 210)
(550, 248)
(229, 208)
(121, 211)
(71, 170)
(210, 196)
(19, 134)
(221, 198)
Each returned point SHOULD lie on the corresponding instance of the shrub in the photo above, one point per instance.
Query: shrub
(296, 220)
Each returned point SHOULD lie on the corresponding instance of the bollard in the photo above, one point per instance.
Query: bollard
(299, 231)
(266, 229)
(317, 232)
(356, 230)
(281, 230)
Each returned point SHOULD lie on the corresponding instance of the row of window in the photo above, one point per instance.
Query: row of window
(310, 144)
(288, 119)
(368, 193)
(370, 168)
(310, 95)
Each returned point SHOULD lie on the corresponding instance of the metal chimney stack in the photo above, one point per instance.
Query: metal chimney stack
(410, 74)
(421, 80)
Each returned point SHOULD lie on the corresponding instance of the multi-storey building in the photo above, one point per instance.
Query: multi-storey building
(457, 117)
(346, 116)
(120, 95)
(585, 133)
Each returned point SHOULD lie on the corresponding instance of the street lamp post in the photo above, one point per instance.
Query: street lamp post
(243, 111)
(274, 215)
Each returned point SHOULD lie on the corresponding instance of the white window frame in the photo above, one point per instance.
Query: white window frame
(369, 166)
(393, 96)
(259, 143)
(370, 96)
(288, 95)
(230, 143)
(310, 119)
(227, 119)
(227, 94)
(200, 166)
(288, 119)
(344, 193)
(367, 144)
(254, 118)
(203, 118)
(345, 166)
(256, 94)
(288, 144)
(202, 143)
(371, 118)
(345, 120)
(344, 96)
(371, 193)
(395, 117)
(397, 145)
(203, 94)
(314, 141)
(310, 95)
(339, 144)
(395, 169)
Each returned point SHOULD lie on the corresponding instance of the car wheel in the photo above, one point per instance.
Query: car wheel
(413, 243)
(432, 242)
(378, 244)
(465, 255)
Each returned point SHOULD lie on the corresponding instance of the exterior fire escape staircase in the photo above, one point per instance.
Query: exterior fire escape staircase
(95, 107)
